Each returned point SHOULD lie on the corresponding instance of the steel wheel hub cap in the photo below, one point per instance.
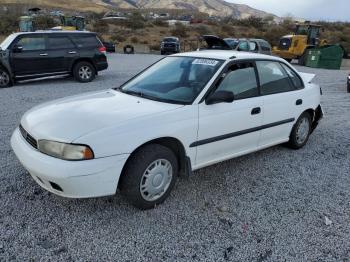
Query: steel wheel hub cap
(85, 72)
(156, 179)
(303, 131)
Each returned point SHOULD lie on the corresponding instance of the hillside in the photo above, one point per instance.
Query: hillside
(211, 7)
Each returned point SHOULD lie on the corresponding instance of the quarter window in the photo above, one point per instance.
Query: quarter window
(83, 41)
(273, 78)
(241, 80)
(298, 84)
(32, 43)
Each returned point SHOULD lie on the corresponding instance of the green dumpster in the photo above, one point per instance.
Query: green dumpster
(327, 57)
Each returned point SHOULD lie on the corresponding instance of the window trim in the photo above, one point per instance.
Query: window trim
(252, 60)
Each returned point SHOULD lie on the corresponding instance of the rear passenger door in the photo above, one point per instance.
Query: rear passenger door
(62, 52)
(282, 98)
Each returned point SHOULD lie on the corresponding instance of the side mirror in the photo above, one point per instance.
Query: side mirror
(17, 49)
(220, 97)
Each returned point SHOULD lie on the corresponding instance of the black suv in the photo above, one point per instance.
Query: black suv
(170, 45)
(39, 54)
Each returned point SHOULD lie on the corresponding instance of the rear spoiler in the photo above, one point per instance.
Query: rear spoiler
(307, 78)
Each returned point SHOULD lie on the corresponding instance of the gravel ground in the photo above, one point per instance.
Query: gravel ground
(273, 205)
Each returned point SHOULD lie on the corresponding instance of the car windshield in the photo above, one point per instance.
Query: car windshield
(169, 40)
(5, 44)
(233, 43)
(177, 80)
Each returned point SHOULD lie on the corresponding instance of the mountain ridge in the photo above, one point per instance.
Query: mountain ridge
(219, 8)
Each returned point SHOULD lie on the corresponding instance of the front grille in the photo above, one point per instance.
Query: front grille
(285, 43)
(31, 140)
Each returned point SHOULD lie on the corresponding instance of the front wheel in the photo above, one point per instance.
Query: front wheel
(149, 176)
(301, 132)
(5, 79)
(84, 72)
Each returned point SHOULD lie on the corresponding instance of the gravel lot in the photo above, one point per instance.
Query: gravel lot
(272, 205)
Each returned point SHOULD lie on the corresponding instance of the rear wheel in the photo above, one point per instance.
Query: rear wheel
(5, 79)
(149, 176)
(301, 132)
(84, 72)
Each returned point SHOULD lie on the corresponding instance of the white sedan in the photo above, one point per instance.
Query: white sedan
(185, 112)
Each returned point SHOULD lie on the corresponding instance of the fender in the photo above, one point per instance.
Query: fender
(5, 62)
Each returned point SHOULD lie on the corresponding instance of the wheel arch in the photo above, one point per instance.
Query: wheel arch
(176, 146)
(83, 59)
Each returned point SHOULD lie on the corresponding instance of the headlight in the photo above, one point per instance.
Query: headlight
(65, 151)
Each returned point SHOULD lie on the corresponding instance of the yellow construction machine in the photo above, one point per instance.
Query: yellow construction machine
(296, 45)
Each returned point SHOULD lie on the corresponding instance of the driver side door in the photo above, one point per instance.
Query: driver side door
(29, 55)
(227, 130)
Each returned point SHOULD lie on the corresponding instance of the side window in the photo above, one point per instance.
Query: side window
(60, 42)
(243, 46)
(83, 41)
(32, 43)
(298, 84)
(273, 78)
(265, 46)
(253, 46)
(241, 80)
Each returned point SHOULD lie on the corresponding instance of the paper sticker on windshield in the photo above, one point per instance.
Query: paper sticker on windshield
(208, 62)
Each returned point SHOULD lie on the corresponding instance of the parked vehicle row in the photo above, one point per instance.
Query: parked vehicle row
(49, 53)
(238, 44)
(185, 112)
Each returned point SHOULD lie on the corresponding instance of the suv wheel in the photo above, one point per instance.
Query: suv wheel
(149, 176)
(84, 72)
(5, 79)
(300, 132)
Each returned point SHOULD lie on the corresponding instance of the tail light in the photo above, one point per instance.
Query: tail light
(102, 49)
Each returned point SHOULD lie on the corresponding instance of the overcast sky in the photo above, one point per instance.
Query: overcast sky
(308, 9)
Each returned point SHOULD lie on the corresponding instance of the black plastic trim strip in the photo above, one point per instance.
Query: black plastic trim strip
(240, 133)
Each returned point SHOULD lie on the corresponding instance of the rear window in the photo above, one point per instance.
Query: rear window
(83, 41)
(60, 42)
(265, 46)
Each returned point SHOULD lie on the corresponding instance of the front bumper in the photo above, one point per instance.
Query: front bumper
(75, 179)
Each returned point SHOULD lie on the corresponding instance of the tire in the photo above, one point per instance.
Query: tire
(348, 88)
(302, 59)
(5, 78)
(138, 171)
(129, 50)
(84, 72)
(288, 60)
(301, 132)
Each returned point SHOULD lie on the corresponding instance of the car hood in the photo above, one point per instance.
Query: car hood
(216, 42)
(67, 119)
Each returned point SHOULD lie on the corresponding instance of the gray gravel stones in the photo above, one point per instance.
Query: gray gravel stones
(266, 206)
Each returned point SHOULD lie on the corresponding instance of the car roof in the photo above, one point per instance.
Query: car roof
(53, 32)
(227, 55)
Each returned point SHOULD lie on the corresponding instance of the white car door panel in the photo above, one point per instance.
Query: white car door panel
(229, 129)
(282, 101)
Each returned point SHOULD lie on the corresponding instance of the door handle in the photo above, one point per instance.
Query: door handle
(72, 52)
(299, 102)
(44, 54)
(256, 111)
